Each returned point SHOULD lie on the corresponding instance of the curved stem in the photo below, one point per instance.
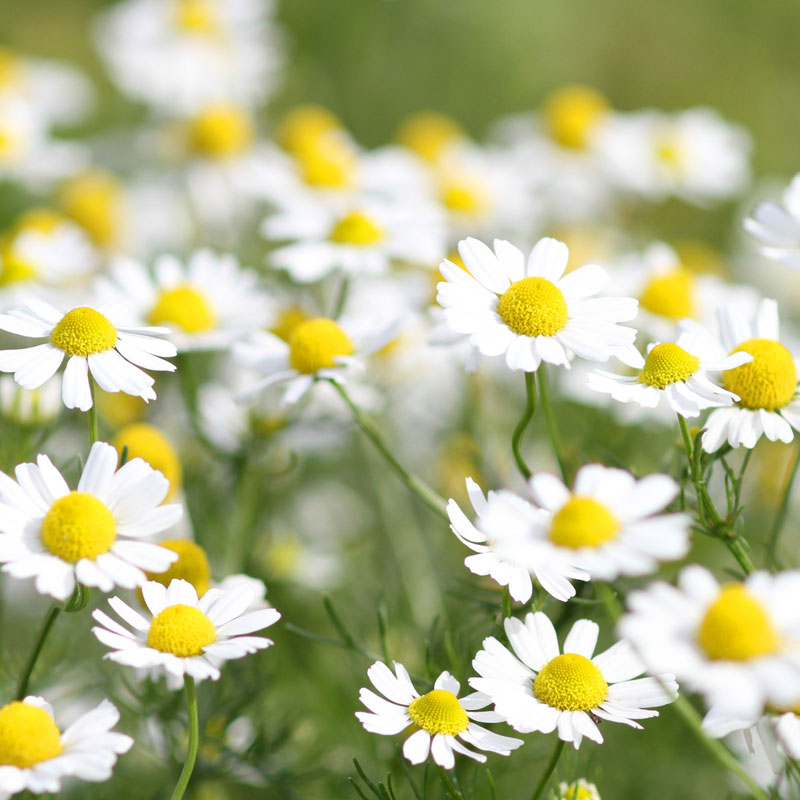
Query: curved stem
(780, 516)
(194, 739)
(47, 624)
(527, 416)
(549, 418)
(548, 771)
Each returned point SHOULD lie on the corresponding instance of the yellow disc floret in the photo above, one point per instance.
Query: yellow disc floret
(192, 565)
(28, 736)
(572, 113)
(183, 307)
(668, 363)
(736, 627)
(570, 682)
(288, 320)
(438, 712)
(83, 332)
(463, 197)
(328, 163)
(77, 526)
(769, 381)
(221, 132)
(670, 294)
(356, 228)
(429, 133)
(148, 443)
(583, 522)
(197, 16)
(316, 345)
(533, 307)
(181, 630)
(302, 127)
(95, 201)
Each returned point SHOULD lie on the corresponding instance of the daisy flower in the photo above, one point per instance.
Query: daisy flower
(577, 790)
(675, 371)
(35, 755)
(538, 688)
(91, 534)
(184, 635)
(734, 643)
(530, 311)
(443, 722)
(93, 342)
(777, 227)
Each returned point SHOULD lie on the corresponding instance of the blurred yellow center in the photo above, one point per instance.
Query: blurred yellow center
(14, 268)
(575, 791)
(670, 294)
(356, 228)
(197, 16)
(572, 113)
(148, 443)
(12, 68)
(463, 197)
(669, 152)
(316, 345)
(438, 712)
(221, 132)
(94, 200)
(183, 307)
(77, 526)
(533, 307)
(302, 127)
(28, 736)
(43, 220)
(667, 363)
(288, 320)
(83, 332)
(181, 630)
(428, 134)
(192, 565)
(736, 627)
(583, 522)
(327, 164)
(570, 682)
(768, 381)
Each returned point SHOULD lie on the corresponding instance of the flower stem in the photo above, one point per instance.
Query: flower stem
(448, 786)
(780, 516)
(194, 738)
(47, 624)
(548, 771)
(549, 418)
(527, 416)
(93, 436)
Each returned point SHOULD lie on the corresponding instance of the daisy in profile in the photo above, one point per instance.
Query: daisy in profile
(536, 687)
(777, 226)
(93, 342)
(183, 635)
(766, 386)
(92, 534)
(35, 755)
(441, 722)
(527, 310)
(735, 643)
(675, 371)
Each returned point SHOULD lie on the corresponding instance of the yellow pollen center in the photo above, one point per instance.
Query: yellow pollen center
(670, 294)
(667, 363)
(28, 736)
(83, 332)
(768, 381)
(197, 16)
(356, 228)
(583, 522)
(183, 307)
(12, 69)
(572, 113)
(570, 682)
(463, 197)
(77, 526)
(669, 153)
(438, 712)
(428, 134)
(148, 443)
(192, 565)
(221, 132)
(533, 307)
(181, 630)
(94, 200)
(316, 344)
(736, 627)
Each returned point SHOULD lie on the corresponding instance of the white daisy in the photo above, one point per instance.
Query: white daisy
(91, 534)
(537, 688)
(675, 371)
(94, 342)
(768, 403)
(531, 312)
(777, 227)
(443, 722)
(35, 755)
(735, 643)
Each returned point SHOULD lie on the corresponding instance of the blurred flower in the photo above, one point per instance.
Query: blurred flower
(430, 134)
(577, 790)
(36, 407)
(777, 227)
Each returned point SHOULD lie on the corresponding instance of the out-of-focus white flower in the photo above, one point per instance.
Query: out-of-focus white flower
(777, 227)
(30, 406)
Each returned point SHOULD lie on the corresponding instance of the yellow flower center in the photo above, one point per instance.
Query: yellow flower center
(221, 132)
(148, 443)
(316, 344)
(438, 712)
(77, 526)
(736, 627)
(197, 16)
(94, 200)
(768, 381)
(181, 630)
(328, 163)
(533, 307)
(667, 363)
(288, 320)
(575, 791)
(302, 127)
(570, 682)
(428, 134)
(463, 197)
(356, 228)
(583, 522)
(670, 294)
(183, 307)
(572, 113)
(192, 565)
(28, 735)
(284, 557)
(82, 332)
(669, 152)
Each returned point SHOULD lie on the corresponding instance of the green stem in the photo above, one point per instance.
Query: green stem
(780, 516)
(93, 436)
(549, 418)
(448, 785)
(527, 416)
(548, 771)
(341, 297)
(425, 493)
(47, 624)
(194, 738)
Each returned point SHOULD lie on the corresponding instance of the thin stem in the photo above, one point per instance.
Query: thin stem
(780, 516)
(47, 624)
(527, 416)
(548, 771)
(93, 436)
(448, 785)
(341, 297)
(194, 738)
(549, 418)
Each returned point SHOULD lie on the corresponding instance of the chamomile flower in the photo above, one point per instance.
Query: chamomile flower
(734, 643)
(766, 386)
(91, 534)
(93, 342)
(443, 723)
(531, 312)
(184, 635)
(577, 790)
(35, 755)
(539, 688)
(777, 227)
(675, 371)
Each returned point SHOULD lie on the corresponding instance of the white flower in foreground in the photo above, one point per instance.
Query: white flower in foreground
(675, 371)
(443, 722)
(537, 688)
(735, 643)
(529, 311)
(184, 635)
(777, 227)
(90, 535)
(35, 755)
(766, 386)
(93, 343)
